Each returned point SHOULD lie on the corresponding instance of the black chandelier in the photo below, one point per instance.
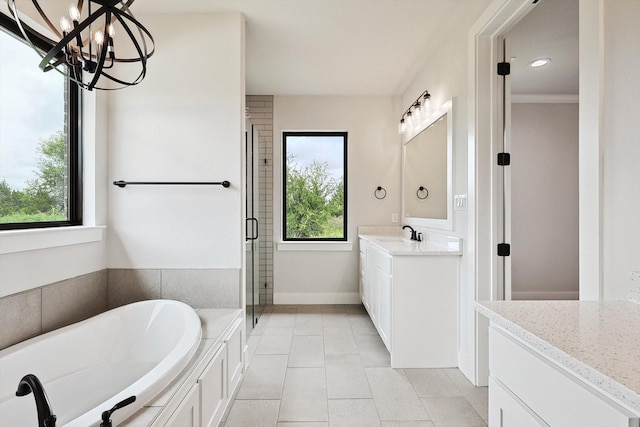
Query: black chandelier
(86, 41)
(416, 113)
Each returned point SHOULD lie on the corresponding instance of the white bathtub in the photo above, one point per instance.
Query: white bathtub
(88, 367)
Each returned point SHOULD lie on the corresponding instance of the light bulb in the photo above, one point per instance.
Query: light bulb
(418, 111)
(65, 24)
(426, 108)
(112, 30)
(74, 12)
(99, 37)
(402, 127)
(409, 120)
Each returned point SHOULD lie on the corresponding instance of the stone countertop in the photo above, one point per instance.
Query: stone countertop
(598, 341)
(399, 245)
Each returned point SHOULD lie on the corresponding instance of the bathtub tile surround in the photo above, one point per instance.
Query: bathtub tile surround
(127, 286)
(20, 317)
(37, 311)
(73, 300)
(634, 286)
(203, 288)
(200, 288)
(31, 313)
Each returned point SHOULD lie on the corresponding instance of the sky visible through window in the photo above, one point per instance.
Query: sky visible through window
(31, 109)
(322, 149)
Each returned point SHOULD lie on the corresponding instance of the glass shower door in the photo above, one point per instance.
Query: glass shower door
(252, 140)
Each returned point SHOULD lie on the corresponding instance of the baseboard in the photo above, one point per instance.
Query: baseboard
(550, 295)
(316, 298)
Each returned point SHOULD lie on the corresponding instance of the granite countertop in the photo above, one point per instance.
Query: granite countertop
(599, 341)
(393, 241)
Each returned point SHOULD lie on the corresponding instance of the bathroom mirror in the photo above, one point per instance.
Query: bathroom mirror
(427, 195)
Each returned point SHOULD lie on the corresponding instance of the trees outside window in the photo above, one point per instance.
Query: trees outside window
(40, 168)
(315, 176)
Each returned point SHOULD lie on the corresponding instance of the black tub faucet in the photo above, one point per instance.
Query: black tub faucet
(414, 236)
(30, 383)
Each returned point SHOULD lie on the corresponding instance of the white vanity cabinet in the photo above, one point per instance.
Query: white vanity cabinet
(527, 388)
(412, 301)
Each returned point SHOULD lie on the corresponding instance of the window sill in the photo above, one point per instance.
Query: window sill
(12, 241)
(314, 246)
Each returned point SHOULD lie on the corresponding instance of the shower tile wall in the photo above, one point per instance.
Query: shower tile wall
(260, 108)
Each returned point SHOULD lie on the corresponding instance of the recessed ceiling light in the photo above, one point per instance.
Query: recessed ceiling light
(539, 62)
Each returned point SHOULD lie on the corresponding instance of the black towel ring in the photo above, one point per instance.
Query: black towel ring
(422, 190)
(380, 193)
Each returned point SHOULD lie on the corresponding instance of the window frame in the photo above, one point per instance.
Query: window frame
(344, 135)
(73, 114)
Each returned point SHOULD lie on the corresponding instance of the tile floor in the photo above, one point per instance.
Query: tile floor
(325, 366)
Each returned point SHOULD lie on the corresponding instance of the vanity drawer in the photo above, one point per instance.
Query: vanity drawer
(555, 395)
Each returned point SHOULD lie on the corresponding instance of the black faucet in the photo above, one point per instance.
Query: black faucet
(106, 415)
(30, 383)
(414, 236)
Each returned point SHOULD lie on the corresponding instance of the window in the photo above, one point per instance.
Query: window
(40, 168)
(315, 186)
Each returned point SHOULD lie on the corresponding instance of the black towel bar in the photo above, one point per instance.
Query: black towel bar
(123, 184)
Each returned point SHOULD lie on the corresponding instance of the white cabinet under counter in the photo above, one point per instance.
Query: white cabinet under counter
(410, 291)
(563, 363)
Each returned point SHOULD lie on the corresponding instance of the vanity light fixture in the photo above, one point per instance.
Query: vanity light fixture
(541, 62)
(84, 43)
(416, 113)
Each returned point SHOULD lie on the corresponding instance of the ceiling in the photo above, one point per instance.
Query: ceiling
(550, 30)
(335, 47)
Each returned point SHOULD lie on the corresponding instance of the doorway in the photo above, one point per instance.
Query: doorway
(538, 190)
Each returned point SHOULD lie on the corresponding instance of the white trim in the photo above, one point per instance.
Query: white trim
(316, 298)
(534, 98)
(13, 241)
(545, 295)
(314, 246)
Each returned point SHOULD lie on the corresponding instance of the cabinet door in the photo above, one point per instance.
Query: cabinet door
(384, 283)
(187, 414)
(506, 410)
(363, 280)
(213, 389)
(235, 356)
(372, 291)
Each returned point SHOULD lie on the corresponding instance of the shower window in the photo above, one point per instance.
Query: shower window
(40, 169)
(315, 186)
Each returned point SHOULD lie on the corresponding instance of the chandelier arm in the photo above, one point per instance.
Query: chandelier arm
(13, 10)
(125, 5)
(142, 53)
(46, 60)
(101, 56)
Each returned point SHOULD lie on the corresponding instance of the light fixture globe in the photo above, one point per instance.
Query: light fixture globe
(85, 42)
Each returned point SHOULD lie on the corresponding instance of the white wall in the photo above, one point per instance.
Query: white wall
(38, 257)
(446, 78)
(374, 158)
(544, 201)
(183, 123)
(621, 159)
